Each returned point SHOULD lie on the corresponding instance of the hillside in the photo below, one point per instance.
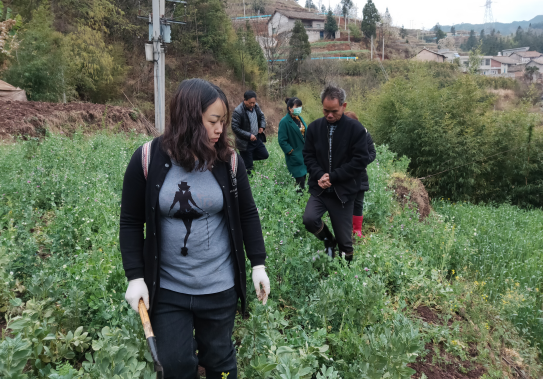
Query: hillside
(503, 28)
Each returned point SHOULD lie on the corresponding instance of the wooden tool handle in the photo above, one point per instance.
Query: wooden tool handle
(145, 319)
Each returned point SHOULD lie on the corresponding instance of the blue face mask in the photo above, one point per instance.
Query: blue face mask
(297, 111)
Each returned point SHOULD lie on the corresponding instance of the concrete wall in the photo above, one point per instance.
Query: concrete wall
(279, 24)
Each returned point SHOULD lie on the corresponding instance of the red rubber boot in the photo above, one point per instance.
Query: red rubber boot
(357, 225)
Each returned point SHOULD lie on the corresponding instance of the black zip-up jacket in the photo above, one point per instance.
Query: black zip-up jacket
(365, 185)
(140, 210)
(349, 156)
(241, 125)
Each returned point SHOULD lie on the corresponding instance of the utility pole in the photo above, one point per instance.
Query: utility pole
(158, 60)
(159, 35)
(371, 48)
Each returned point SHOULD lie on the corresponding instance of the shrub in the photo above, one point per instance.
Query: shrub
(451, 130)
(39, 66)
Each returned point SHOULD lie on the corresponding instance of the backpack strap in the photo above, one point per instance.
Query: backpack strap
(234, 163)
(146, 158)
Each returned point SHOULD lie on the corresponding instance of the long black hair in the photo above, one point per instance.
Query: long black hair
(185, 136)
(293, 101)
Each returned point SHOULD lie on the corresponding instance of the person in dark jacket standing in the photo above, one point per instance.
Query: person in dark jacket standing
(358, 217)
(249, 124)
(291, 138)
(184, 189)
(335, 153)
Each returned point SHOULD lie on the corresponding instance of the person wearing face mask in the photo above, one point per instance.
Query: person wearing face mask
(291, 137)
(189, 192)
(335, 153)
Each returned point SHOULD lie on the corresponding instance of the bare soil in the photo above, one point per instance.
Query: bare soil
(445, 366)
(427, 314)
(33, 118)
(409, 191)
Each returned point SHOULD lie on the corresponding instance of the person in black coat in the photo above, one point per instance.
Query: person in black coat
(188, 221)
(335, 153)
(358, 217)
(248, 125)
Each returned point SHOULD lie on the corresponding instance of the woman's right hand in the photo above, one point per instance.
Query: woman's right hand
(137, 289)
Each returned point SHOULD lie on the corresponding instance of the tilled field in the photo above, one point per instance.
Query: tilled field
(32, 118)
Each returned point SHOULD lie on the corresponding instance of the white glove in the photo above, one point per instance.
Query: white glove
(260, 277)
(137, 289)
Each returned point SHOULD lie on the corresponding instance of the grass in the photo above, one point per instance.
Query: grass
(326, 43)
(62, 283)
(344, 52)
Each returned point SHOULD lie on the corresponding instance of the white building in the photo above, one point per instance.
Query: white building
(282, 21)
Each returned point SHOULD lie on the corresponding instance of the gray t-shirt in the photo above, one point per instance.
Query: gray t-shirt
(195, 244)
(253, 119)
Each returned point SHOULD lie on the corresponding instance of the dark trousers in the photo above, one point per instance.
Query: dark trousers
(211, 317)
(341, 217)
(256, 151)
(359, 204)
(300, 182)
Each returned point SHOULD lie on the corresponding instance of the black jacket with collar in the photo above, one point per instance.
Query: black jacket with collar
(241, 125)
(349, 156)
(365, 185)
(140, 210)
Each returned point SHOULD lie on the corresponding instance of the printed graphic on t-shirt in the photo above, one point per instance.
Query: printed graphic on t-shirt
(185, 212)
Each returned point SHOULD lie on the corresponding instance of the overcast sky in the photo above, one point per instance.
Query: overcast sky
(429, 12)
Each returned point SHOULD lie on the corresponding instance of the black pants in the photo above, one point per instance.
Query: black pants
(256, 151)
(300, 182)
(341, 217)
(359, 204)
(211, 317)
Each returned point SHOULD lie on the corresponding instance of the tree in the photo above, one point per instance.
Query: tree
(41, 59)
(258, 6)
(330, 26)
(471, 42)
(251, 62)
(323, 9)
(310, 5)
(440, 34)
(300, 48)
(370, 18)
(474, 60)
(453, 30)
(346, 6)
(403, 32)
(529, 72)
(448, 43)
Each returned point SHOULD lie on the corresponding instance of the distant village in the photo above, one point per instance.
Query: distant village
(278, 25)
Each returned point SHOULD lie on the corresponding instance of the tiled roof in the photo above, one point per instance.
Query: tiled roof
(528, 54)
(300, 15)
(538, 60)
(506, 60)
(431, 51)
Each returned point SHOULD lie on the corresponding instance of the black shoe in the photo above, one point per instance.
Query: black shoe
(329, 241)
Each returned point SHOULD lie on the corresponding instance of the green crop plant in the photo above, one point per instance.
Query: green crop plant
(62, 283)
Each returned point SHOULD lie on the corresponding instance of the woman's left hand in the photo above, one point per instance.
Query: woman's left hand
(261, 278)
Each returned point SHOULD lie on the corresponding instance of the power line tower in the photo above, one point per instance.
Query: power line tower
(489, 18)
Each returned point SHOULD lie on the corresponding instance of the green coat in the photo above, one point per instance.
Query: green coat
(290, 137)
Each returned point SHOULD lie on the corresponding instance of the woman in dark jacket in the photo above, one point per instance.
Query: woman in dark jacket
(291, 137)
(358, 217)
(186, 191)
